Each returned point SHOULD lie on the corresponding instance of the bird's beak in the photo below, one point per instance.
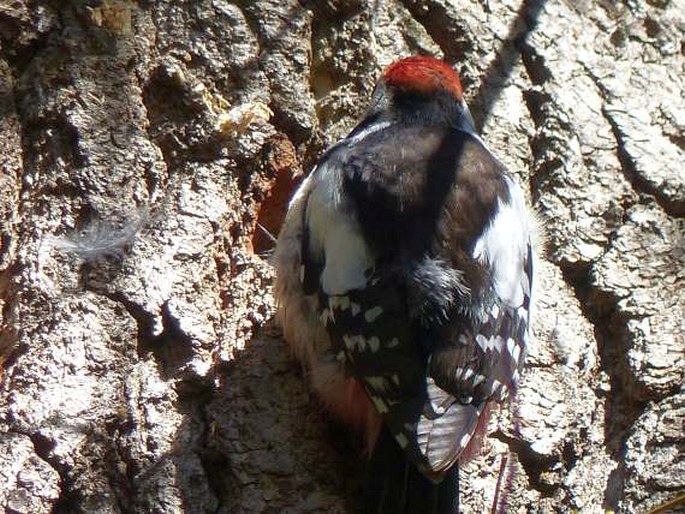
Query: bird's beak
(467, 114)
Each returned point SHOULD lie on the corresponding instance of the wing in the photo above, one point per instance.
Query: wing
(420, 298)
(476, 355)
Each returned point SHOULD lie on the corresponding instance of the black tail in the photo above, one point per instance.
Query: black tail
(394, 485)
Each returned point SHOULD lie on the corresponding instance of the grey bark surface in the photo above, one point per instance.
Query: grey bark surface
(145, 144)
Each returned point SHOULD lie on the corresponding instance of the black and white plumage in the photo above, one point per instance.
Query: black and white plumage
(404, 280)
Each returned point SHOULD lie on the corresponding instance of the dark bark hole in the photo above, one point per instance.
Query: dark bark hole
(280, 178)
(173, 347)
(536, 465)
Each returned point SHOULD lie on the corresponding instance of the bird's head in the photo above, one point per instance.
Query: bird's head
(421, 88)
(423, 76)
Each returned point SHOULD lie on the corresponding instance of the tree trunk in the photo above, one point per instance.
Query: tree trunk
(149, 149)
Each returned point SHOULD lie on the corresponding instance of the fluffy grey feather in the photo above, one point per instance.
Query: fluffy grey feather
(102, 240)
(434, 289)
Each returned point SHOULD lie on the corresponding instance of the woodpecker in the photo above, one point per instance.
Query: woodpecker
(404, 275)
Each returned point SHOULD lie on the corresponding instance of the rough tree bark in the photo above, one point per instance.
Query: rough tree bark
(146, 377)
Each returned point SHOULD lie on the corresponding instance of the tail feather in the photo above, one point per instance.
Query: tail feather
(395, 486)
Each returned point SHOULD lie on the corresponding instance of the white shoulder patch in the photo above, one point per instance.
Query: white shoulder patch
(335, 235)
(504, 245)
